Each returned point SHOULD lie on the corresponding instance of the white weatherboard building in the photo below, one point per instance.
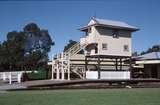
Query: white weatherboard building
(106, 45)
(106, 37)
(147, 65)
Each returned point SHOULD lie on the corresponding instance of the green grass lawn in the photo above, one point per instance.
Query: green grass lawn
(146, 96)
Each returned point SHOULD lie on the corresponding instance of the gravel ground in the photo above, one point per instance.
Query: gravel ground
(5, 86)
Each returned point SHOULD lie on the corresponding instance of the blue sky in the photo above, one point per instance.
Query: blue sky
(64, 18)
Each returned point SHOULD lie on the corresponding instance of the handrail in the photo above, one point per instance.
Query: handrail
(72, 47)
(76, 51)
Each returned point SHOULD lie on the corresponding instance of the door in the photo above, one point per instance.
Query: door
(154, 71)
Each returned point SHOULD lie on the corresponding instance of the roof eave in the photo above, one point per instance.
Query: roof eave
(85, 27)
(118, 27)
(110, 26)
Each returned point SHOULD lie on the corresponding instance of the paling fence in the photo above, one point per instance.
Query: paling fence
(10, 77)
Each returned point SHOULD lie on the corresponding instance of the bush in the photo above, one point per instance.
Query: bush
(37, 74)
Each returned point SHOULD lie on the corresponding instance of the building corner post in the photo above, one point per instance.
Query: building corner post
(99, 68)
(130, 67)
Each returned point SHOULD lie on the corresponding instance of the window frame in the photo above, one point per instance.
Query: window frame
(126, 48)
(104, 46)
(89, 29)
(115, 33)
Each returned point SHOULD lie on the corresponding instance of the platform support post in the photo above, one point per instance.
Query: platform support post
(99, 68)
(68, 67)
(52, 71)
(86, 63)
(120, 63)
(62, 66)
(86, 66)
(57, 69)
(130, 66)
(116, 64)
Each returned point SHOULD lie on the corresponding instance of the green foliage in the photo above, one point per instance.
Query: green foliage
(135, 54)
(17, 53)
(32, 28)
(154, 48)
(37, 74)
(69, 45)
(12, 50)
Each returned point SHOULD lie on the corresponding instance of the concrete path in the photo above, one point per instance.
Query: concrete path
(6, 86)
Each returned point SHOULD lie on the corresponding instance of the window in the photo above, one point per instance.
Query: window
(115, 33)
(104, 46)
(126, 48)
(96, 50)
(89, 30)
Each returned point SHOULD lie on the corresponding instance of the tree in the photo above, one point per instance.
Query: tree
(69, 45)
(38, 44)
(29, 47)
(32, 28)
(135, 54)
(154, 48)
(12, 50)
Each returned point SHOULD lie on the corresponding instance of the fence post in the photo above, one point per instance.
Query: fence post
(19, 77)
(10, 78)
(4, 76)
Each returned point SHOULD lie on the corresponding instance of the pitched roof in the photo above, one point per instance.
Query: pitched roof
(149, 56)
(110, 23)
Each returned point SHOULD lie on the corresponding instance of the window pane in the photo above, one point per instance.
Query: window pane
(89, 30)
(126, 48)
(115, 33)
(104, 46)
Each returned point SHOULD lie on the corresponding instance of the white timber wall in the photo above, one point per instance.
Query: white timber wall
(115, 75)
(108, 75)
(115, 46)
(91, 75)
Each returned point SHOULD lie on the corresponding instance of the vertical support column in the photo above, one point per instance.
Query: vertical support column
(52, 70)
(99, 68)
(62, 66)
(116, 65)
(120, 63)
(86, 66)
(68, 67)
(69, 72)
(57, 70)
(86, 63)
(130, 67)
(158, 70)
(83, 73)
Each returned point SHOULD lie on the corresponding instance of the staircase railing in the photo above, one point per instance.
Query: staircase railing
(72, 47)
(75, 49)
(78, 71)
(63, 61)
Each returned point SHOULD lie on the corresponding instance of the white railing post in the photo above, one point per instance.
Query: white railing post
(52, 72)
(10, 78)
(57, 73)
(4, 76)
(52, 69)
(62, 66)
(19, 77)
(68, 59)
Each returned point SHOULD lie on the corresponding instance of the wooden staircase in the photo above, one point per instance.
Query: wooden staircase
(75, 49)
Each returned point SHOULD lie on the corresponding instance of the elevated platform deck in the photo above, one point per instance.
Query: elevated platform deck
(80, 84)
